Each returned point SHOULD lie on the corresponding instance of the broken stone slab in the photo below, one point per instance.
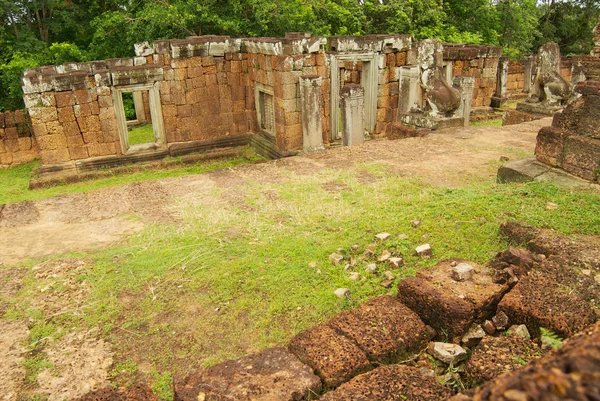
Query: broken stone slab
(462, 272)
(497, 355)
(528, 170)
(272, 374)
(391, 383)
(451, 306)
(473, 335)
(384, 329)
(423, 250)
(137, 392)
(446, 352)
(552, 301)
(569, 373)
(334, 358)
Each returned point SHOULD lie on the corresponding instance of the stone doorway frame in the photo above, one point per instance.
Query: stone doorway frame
(155, 114)
(368, 80)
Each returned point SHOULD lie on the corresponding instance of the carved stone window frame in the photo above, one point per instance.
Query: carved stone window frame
(368, 80)
(155, 112)
(258, 89)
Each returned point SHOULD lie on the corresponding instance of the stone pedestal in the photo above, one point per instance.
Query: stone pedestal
(310, 108)
(352, 99)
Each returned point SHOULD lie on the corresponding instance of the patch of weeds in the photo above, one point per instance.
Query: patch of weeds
(163, 386)
(520, 361)
(124, 373)
(550, 338)
(38, 397)
(497, 122)
(40, 331)
(34, 364)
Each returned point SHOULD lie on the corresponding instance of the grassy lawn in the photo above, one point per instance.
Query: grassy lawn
(14, 181)
(235, 278)
(140, 134)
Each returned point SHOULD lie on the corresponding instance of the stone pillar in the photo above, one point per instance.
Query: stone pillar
(465, 84)
(528, 72)
(353, 114)
(408, 83)
(501, 83)
(310, 109)
(138, 103)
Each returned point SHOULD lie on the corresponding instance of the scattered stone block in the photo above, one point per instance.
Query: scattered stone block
(271, 374)
(334, 358)
(384, 329)
(520, 331)
(396, 262)
(569, 373)
(496, 355)
(415, 223)
(336, 258)
(371, 268)
(447, 353)
(385, 255)
(489, 327)
(391, 383)
(383, 236)
(500, 321)
(473, 335)
(517, 257)
(462, 272)
(423, 250)
(342, 292)
(448, 305)
(354, 276)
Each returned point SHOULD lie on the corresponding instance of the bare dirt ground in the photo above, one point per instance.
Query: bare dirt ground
(83, 222)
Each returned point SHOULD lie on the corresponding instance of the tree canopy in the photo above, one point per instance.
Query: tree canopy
(41, 32)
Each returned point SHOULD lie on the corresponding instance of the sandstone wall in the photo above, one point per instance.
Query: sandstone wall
(17, 145)
(480, 62)
(516, 75)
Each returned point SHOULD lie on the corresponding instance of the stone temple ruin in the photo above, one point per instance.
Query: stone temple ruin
(280, 96)
(276, 95)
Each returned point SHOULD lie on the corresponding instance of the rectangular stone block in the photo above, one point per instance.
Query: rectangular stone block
(55, 156)
(66, 114)
(582, 157)
(550, 146)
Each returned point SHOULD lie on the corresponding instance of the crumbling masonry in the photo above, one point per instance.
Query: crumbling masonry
(208, 92)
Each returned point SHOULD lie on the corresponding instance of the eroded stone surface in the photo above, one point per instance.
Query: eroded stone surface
(384, 328)
(448, 305)
(496, 355)
(138, 392)
(391, 383)
(569, 373)
(333, 357)
(274, 374)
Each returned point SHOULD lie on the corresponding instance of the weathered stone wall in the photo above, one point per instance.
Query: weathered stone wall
(516, 75)
(208, 88)
(479, 62)
(17, 144)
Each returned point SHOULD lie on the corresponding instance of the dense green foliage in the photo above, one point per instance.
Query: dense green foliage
(39, 32)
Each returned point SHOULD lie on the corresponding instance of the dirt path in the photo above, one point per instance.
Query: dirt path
(97, 219)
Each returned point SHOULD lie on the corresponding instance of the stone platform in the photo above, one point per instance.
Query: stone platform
(528, 170)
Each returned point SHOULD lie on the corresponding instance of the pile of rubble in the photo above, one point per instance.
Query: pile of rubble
(458, 330)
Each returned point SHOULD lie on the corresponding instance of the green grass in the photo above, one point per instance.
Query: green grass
(14, 181)
(488, 123)
(140, 134)
(236, 277)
